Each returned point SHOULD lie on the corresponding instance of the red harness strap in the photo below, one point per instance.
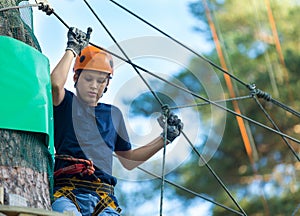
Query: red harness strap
(81, 166)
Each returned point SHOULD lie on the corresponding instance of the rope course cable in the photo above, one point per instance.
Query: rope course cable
(46, 9)
(249, 86)
(255, 93)
(188, 190)
(18, 7)
(165, 111)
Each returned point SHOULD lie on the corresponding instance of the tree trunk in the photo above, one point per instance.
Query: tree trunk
(24, 166)
(25, 162)
(12, 25)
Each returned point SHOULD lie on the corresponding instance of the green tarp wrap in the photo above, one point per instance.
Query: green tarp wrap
(25, 89)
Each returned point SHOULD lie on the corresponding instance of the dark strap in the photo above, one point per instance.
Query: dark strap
(68, 194)
(105, 201)
(96, 186)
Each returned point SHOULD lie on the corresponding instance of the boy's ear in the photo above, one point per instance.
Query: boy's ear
(75, 77)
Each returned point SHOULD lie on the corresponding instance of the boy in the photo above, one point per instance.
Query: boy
(86, 133)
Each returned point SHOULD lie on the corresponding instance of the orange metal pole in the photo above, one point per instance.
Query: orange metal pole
(240, 121)
(276, 38)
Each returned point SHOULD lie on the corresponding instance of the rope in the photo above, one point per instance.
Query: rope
(188, 91)
(245, 134)
(208, 103)
(266, 96)
(162, 186)
(198, 96)
(188, 190)
(18, 7)
(81, 166)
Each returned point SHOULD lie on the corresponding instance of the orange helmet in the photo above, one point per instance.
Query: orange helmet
(92, 58)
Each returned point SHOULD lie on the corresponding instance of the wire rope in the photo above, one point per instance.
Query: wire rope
(188, 190)
(194, 94)
(165, 128)
(18, 7)
(208, 103)
(198, 96)
(49, 11)
(202, 57)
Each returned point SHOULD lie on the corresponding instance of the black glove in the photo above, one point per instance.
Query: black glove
(77, 40)
(174, 126)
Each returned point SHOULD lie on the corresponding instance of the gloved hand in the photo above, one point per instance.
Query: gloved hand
(77, 40)
(174, 126)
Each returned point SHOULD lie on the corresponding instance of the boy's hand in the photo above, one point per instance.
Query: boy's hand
(174, 126)
(77, 40)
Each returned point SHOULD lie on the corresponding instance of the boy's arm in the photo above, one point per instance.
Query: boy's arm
(132, 158)
(59, 77)
(77, 40)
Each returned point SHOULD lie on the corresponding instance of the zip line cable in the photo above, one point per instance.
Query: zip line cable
(255, 91)
(185, 90)
(207, 103)
(246, 139)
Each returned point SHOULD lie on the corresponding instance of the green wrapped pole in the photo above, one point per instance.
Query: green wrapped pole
(26, 125)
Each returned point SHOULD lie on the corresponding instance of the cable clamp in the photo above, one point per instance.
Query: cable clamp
(44, 6)
(259, 93)
(165, 110)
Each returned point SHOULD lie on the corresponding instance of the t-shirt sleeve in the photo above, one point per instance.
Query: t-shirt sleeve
(68, 97)
(122, 142)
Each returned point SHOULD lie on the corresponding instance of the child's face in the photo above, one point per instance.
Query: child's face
(90, 86)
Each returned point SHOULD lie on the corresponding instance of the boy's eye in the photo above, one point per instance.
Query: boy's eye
(101, 81)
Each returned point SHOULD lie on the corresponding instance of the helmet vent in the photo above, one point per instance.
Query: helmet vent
(82, 58)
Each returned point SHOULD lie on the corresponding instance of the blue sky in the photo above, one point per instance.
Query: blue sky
(172, 17)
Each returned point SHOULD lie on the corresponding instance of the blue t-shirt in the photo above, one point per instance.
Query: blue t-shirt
(91, 133)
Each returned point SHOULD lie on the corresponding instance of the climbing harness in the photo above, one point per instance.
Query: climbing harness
(83, 167)
(103, 190)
